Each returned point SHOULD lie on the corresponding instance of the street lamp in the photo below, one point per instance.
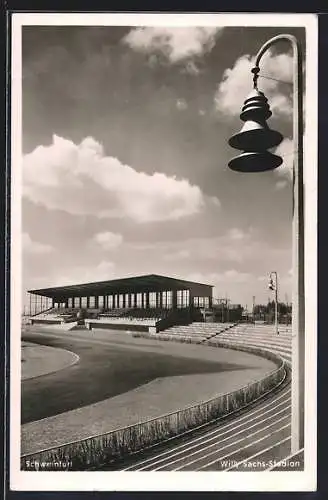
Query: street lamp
(254, 140)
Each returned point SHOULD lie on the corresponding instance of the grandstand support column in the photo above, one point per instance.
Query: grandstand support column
(147, 300)
(96, 301)
(129, 300)
(124, 303)
(52, 302)
(174, 299)
(80, 302)
(210, 301)
(160, 302)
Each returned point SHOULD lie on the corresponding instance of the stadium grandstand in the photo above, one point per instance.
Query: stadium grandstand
(145, 303)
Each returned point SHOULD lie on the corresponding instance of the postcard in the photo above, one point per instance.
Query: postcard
(163, 205)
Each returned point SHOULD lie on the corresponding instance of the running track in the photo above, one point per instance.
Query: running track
(255, 440)
(258, 439)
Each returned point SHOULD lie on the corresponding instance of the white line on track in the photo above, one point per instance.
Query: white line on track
(225, 439)
(285, 459)
(218, 431)
(219, 435)
(243, 447)
(258, 454)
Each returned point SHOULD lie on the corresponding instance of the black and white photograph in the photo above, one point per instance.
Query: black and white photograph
(163, 251)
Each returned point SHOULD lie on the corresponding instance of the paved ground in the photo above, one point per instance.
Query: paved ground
(137, 378)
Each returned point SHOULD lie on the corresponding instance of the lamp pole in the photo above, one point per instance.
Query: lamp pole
(254, 162)
(275, 274)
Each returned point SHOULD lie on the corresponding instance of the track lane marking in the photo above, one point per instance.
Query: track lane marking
(258, 454)
(225, 439)
(244, 447)
(286, 458)
(219, 431)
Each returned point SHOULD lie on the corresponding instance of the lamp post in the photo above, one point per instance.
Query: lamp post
(254, 140)
(273, 285)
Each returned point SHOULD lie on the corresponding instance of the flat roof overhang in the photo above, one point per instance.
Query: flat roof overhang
(137, 284)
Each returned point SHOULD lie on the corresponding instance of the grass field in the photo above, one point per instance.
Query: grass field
(38, 360)
(120, 380)
(101, 373)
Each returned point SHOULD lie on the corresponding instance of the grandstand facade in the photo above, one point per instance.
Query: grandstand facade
(142, 301)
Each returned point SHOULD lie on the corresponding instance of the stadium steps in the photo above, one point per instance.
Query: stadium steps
(252, 336)
(196, 330)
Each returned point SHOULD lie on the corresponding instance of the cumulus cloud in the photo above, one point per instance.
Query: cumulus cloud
(181, 104)
(175, 44)
(236, 234)
(281, 184)
(178, 255)
(237, 83)
(285, 150)
(108, 240)
(229, 276)
(234, 248)
(81, 180)
(105, 270)
(34, 247)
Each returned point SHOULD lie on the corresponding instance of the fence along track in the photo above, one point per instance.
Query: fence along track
(98, 450)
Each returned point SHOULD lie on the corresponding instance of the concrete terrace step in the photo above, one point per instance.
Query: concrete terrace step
(254, 335)
(269, 340)
(284, 353)
(258, 344)
(256, 341)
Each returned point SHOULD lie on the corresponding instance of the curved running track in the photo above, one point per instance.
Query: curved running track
(258, 439)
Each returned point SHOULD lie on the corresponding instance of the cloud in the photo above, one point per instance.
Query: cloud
(236, 234)
(81, 180)
(105, 270)
(233, 248)
(231, 283)
(108, 240)
(175, 44)
(181, 104)
(191, 68)
(229, 276)
(285, 150)
(34, 247)
(237, 83)
(281, 185)
(285, 171)
(178, 255)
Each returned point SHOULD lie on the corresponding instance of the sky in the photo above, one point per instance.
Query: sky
(125, 158)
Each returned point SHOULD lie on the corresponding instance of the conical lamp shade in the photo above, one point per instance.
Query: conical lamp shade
(255, 162)
(255, 136)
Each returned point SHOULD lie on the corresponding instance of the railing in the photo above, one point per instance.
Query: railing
(96, 451)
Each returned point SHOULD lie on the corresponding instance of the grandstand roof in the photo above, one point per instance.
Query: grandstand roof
(149, 282)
